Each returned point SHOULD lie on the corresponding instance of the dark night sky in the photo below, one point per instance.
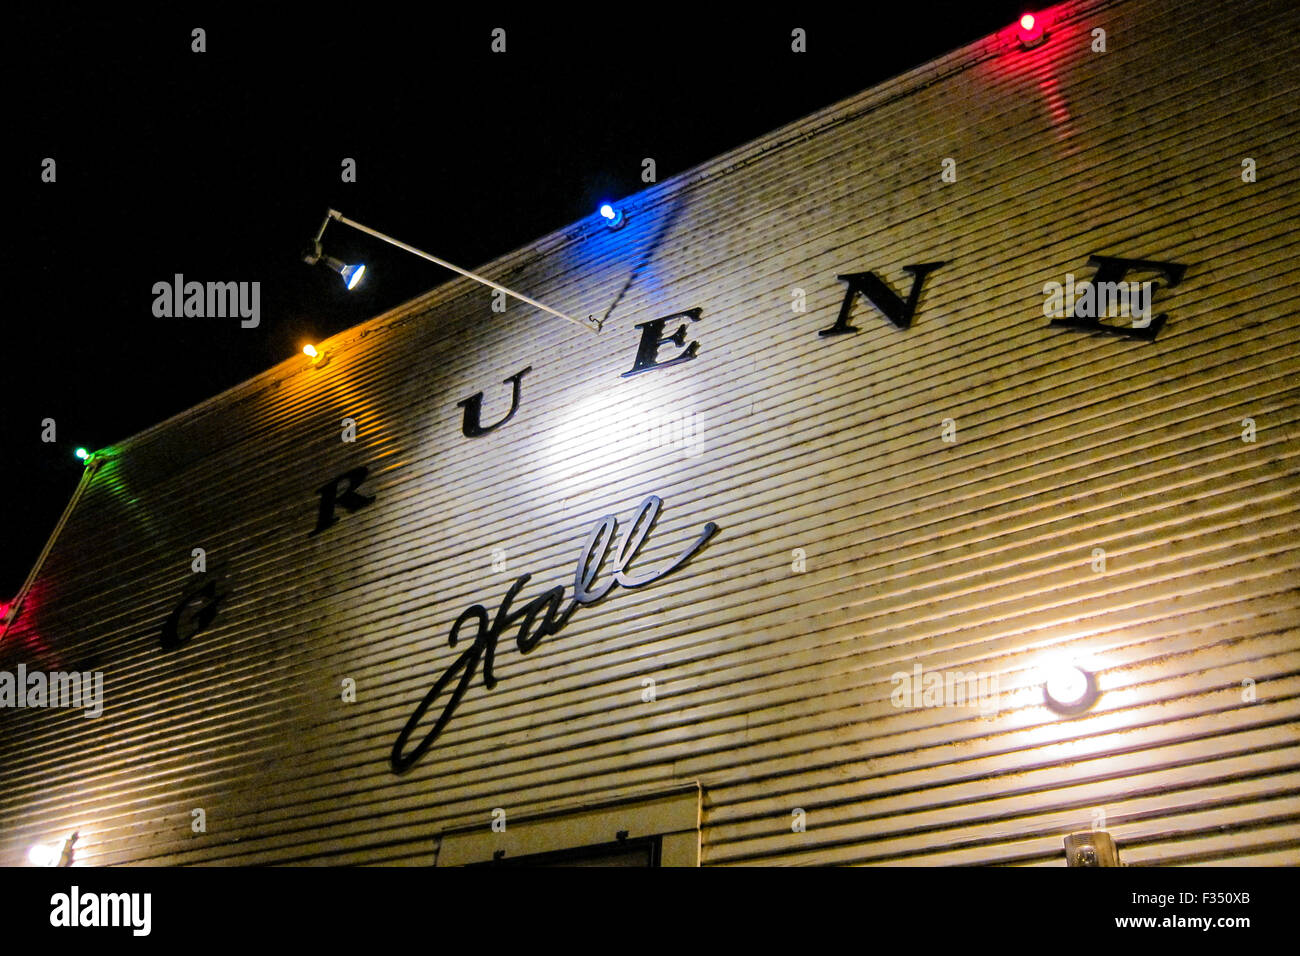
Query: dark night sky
(221, 165)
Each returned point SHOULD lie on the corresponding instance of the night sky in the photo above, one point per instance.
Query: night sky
(221, 165)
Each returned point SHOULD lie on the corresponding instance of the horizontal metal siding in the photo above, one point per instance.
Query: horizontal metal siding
(773, 687)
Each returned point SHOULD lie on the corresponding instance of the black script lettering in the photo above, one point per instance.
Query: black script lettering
(350, 498)
(474, 404)
(602, 532)
(635, 537)
(869, 285)
(1111, 269)
(183, 623)
(483, 650)
(652, 336)
(467, 663)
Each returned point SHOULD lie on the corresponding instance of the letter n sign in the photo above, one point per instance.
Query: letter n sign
(869, 286)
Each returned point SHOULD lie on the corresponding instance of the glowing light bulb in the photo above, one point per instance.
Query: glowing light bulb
(42, 855)
(82, 454)
(1069, 689)
(1067, 685)
(613, 217)
(352, 275)
(309, 351)
(1030, 31)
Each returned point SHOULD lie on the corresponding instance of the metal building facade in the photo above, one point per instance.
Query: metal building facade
(934, 495)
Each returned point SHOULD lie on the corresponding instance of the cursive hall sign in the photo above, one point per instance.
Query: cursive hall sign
(199, 604)
(547, 604)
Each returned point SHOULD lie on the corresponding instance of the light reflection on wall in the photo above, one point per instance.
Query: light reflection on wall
(638, 426)
(1073, 736)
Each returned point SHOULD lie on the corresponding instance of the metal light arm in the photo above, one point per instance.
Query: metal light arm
(591, 324)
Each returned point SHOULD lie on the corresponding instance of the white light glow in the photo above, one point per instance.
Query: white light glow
(652, 424)
(1067, 685)
(42, 854)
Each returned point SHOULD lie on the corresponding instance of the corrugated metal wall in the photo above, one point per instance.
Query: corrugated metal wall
(773, 687)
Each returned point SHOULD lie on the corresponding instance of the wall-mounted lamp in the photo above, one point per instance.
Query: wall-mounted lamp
(1070, 689)
(313, 255)
(45, 854)
(1030, 31)
(319, 357)
(614, 218)
(1091, 848)
(351, 273)
(42, 854)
